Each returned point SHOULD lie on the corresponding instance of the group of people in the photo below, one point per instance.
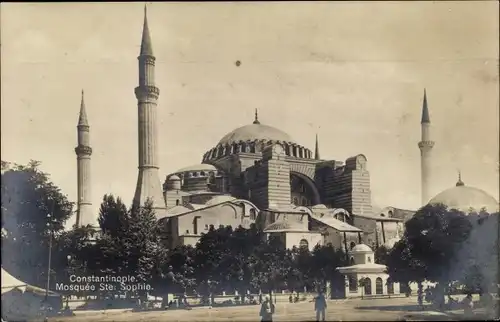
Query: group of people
(267, 308)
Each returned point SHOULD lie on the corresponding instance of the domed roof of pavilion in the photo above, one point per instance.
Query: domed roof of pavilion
(256, 132)
(465, 198)
(361, 248)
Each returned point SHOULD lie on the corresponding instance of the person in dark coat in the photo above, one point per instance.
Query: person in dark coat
(267, 310)
(320, 306)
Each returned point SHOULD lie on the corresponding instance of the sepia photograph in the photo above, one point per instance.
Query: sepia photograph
(250, 161)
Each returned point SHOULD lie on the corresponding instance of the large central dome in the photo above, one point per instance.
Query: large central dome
(253, 139)
(255, 132)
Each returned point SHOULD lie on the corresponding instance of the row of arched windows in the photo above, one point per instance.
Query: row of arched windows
(293, 150)
(367, 285)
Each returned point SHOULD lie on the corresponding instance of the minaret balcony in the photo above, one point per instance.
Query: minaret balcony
(83, 150)
(147, 59)
(426, 144)
(147, 90)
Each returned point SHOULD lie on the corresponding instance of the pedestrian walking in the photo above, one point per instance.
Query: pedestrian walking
(468, 305)
(320, 307)
(267, 310)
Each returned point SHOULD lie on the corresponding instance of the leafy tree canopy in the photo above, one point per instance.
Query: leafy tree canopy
(28, 197)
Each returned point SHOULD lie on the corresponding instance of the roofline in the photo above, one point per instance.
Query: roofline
(291, 231)
(341, 230)
(208, 207)
(380, 218)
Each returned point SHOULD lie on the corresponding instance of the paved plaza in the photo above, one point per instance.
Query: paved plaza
(342, 310)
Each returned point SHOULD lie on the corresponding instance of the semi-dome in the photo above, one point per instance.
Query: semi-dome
(219, 199)
(465, 198)
(197, 167)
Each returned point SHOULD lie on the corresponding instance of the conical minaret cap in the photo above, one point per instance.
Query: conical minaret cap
(82, 119)
(425, 110)
(146, 46)
(316, 149)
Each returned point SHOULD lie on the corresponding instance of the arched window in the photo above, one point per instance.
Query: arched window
(390, 213)
(252, 214)
(296, 201)
(202, 173)
(369, 259)
(368, 286)
(390, 287)
(304, 244)
(177, 202)
(352, 261)
(352, 244)
(353, 284)
(379, 287)
(243, 207)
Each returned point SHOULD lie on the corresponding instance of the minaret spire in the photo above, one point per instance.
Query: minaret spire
(82, 119)
(146, 46)
(425, 110)
(425, 145)
(148, 186)
(84, 214)
(256, 120)
(316, 149)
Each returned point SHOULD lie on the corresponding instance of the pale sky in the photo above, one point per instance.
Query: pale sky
(352, 72)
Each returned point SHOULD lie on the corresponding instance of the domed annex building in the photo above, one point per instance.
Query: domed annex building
(466, 199)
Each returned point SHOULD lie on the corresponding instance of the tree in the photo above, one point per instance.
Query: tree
(113, 216)
(142, 243)
(74, 249)
(178, 270)
(110, 251)
(433, 241)
(381, 254)
(325, 260)
(211, 259)
(476, 264)
(28, 196)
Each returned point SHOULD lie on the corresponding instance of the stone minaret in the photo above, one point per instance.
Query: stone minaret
(425, 145)
(84, 214)
(316, 149)
(148, 181)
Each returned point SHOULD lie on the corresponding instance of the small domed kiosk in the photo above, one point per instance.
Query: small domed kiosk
(364, 277)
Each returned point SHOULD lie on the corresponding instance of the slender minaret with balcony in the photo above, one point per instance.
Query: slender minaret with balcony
(425, 145)
(84, 213)
(148, 181)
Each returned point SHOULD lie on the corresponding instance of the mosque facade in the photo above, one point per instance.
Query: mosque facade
(257, 174)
